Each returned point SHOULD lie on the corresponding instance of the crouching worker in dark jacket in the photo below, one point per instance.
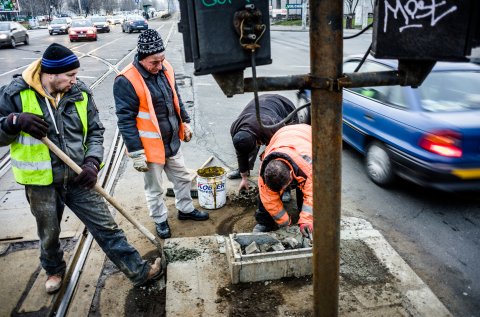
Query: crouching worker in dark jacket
(248, 136)
(49, 101)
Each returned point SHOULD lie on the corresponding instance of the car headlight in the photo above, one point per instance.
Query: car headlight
(91, 32)
(3, 36)
(73, 32)
(63, 27)
(49, 27)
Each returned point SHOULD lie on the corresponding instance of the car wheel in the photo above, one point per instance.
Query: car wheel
(130, 30)
(123, 30)
(27, 40)
(13, 44)
(378, 164)
(51, 33)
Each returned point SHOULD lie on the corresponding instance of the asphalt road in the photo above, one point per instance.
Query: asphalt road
(436, 233)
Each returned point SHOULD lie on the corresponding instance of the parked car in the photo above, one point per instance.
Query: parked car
(115, 19)
(59, 26)
(134, 23)
(429, 135)
(100, 23)
(82, 30)
(12, 33)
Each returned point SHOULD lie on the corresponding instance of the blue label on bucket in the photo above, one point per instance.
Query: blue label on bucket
(206, 188)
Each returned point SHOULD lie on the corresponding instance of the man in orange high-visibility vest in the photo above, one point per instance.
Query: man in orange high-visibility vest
(287, 161)
(153, 122)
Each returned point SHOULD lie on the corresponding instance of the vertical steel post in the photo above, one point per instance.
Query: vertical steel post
(326, 51)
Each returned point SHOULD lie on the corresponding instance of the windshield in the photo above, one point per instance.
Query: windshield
(4, 26)
(100, 19)
(135, 18)
(81, 23)
(59, 21)
(451, 91)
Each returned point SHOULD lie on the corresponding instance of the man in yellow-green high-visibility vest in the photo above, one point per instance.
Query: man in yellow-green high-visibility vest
(48, 100)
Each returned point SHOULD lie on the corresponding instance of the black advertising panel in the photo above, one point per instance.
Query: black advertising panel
(211, 40)
(424, 29)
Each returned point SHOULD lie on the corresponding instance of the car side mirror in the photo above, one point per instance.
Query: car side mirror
(13, 29)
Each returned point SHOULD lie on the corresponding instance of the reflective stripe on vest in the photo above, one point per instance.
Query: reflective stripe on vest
(147, 124)
(30, 158)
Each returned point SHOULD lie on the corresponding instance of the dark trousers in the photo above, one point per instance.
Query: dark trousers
(264, 218)
(47, 204)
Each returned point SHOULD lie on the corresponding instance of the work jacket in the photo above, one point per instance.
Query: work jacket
(73, 138)
(273, 109)
(152, 124)
(292, 145)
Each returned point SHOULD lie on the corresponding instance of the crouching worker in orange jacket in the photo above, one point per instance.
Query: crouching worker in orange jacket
(287, 160)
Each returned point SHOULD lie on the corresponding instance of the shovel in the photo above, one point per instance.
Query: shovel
(77, 169)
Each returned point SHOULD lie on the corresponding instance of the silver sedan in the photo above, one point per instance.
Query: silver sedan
(12, 33)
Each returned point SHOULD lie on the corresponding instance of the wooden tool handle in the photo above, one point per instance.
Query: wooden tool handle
(77, 169)
(203, 166)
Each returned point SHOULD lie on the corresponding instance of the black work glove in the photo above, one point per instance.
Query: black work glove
(29, 123)
(88, 177)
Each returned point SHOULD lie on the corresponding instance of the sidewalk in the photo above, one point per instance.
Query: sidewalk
(295, 28)
(374, 279)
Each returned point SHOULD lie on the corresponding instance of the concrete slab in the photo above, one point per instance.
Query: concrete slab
(198, 284)
(15, 275)
(19, 223)
(193, 282)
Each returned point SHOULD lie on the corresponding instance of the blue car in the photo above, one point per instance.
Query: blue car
(134, 23)
(429, 135)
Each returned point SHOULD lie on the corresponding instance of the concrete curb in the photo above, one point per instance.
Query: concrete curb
(421, 300)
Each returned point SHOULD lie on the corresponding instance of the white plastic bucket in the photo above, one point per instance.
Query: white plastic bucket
(211, 186)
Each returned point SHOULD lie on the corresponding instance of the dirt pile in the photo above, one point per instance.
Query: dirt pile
(246, 198)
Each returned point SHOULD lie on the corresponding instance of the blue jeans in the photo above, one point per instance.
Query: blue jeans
(47, 204)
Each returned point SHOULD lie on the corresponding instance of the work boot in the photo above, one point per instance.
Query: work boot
(194, 215)
(286, 197)
(53, 283)
(163, 230)
(235, 174)
(155, 270)
(262, 228)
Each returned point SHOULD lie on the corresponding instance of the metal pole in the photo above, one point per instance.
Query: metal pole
(304, 14)
(326, 51)
(80, 6)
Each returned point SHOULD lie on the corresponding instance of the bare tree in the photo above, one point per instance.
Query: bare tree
(109, 6)
(351, 8)
(127, 5)
(33, 7)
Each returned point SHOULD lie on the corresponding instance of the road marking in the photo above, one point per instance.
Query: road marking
(14, 70)
(30, 58)
(86, 77)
